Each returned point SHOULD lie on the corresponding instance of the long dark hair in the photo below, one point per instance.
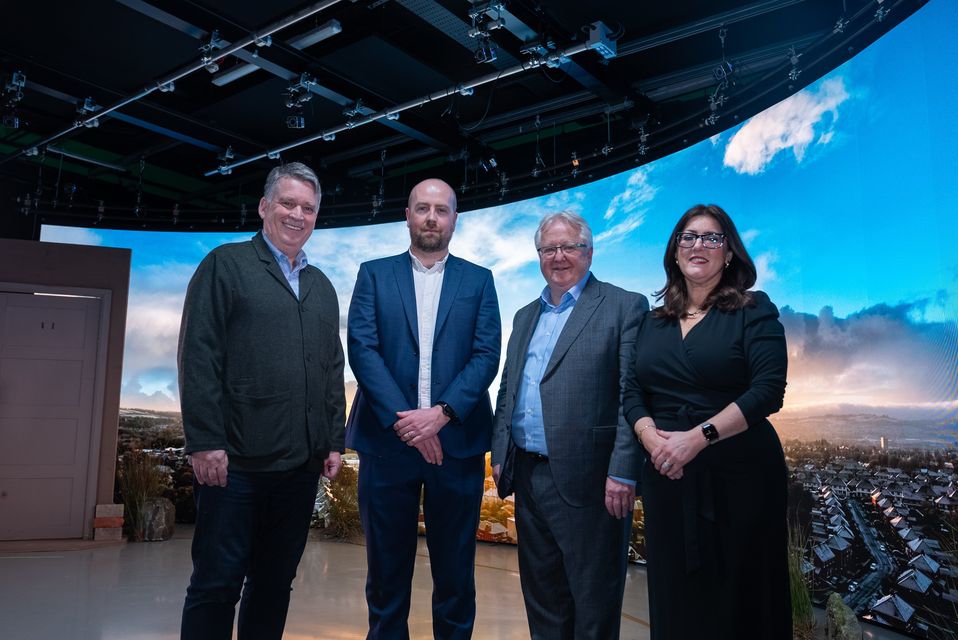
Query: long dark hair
(732, 290)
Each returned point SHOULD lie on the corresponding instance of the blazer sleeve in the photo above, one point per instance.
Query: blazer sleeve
(627, 453)
(201, 355)
(472, 383)
(364, 346)
(767, 357)
(633, 399)
(335, 390)
(502, 420)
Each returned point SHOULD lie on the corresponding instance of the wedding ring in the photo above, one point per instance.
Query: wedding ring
(666, 464)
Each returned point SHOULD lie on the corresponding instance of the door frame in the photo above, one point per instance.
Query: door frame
(99, 383)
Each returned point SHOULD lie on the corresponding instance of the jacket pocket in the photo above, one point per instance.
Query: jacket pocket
(259, 424)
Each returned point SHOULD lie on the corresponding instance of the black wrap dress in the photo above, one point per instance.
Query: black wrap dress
(716, 539)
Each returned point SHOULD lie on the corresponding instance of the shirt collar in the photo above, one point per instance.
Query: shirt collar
(439, 267)
(281, 258)
(569, 297)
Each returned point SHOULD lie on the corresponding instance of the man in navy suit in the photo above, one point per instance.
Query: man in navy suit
(423, 342)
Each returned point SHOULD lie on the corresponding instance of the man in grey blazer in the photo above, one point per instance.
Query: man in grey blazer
(263, 403)
(560, 441)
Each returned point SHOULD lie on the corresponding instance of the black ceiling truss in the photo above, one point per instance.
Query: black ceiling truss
(164, 115)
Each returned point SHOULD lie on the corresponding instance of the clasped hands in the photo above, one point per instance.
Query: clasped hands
(670, 451)
(420, 428)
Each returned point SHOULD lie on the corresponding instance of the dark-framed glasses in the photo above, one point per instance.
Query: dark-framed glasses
(566, 249)
(709, 240)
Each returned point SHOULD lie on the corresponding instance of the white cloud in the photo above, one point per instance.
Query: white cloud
(716, 139)
(620, 231)
(70, 235)
(638, 191)
(790, 124)
(877, 356)
(750, 234)
(765, 272)
(499, 238)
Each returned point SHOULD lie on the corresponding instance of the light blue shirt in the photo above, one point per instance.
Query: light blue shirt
(528, 430)
(291, 273)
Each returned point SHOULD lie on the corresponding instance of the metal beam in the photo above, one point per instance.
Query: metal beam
(168, 19)
(138, 122)
(278, 70)
(668, 86)
(454, 27)
(573, 69)
(706, 24)
(392, 113)
(169, 80)
(309, 38)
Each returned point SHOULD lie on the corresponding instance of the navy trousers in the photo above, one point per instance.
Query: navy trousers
(389, 493)
(253, 530)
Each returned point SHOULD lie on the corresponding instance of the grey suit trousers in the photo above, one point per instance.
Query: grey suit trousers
(563, 549)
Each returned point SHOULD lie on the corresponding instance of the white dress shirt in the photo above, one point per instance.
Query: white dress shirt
(428, 284)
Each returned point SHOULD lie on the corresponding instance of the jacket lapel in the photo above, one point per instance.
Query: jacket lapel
(525, 326)
(583, 310)
(407, 293)
(451, 278)
(269, 261)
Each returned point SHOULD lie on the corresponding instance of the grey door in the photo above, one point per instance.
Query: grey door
(48, 353)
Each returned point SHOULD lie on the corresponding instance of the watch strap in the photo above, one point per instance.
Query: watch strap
(448, 411)
(710, 432)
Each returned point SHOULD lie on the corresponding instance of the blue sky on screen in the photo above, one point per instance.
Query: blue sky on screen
(845, 194)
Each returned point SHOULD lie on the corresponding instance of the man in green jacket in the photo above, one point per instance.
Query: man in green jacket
(263, 403)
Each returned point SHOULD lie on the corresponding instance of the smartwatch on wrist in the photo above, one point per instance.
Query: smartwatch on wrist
(710, 432)
(448, 411)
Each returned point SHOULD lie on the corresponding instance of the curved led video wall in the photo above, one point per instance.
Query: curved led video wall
(845, 195)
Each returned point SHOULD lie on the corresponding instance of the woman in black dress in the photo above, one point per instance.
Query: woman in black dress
(709, 367)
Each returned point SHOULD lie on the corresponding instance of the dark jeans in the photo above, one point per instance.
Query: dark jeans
(253, 528)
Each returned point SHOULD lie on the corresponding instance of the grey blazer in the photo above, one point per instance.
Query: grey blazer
(586, 434)
(261, 372)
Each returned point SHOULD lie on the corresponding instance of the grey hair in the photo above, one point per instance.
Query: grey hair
(295, 171)
(570, 218)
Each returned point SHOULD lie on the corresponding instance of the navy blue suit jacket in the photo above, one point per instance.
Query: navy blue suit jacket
(383, 347)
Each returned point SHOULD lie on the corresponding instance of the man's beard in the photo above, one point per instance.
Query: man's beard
(429, 243)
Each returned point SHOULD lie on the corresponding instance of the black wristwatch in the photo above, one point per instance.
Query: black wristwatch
(710, 432)
(447, 411)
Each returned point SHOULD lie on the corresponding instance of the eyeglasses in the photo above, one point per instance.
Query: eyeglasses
(566, 249)
(709, 240)
(290, 205)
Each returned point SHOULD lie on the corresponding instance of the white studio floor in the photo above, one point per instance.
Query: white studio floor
(135, 592)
